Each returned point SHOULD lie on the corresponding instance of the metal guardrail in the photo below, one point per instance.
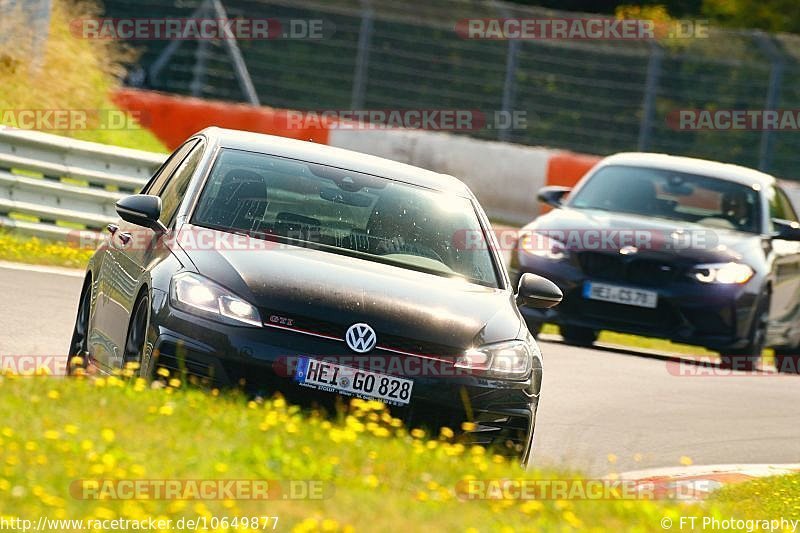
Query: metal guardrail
(51, 186)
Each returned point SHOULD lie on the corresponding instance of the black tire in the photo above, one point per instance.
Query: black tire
(748, 358)
(534, 326)
(578, 336)
(79, 345)
(136, 339)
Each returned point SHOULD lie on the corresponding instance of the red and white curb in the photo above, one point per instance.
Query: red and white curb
(693, 483)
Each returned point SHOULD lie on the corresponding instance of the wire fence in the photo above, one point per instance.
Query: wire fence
(590, 96)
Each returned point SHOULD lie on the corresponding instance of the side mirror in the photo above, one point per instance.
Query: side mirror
(538, 292)
(786, 230)
(552, 195)
(142, 210)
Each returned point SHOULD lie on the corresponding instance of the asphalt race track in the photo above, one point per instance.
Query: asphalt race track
(596, 401)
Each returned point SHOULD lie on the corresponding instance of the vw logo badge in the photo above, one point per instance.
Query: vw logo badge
(360, 337)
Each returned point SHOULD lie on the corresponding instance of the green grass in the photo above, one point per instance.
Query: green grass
(777, 496)
(33, 250)
(376, 476)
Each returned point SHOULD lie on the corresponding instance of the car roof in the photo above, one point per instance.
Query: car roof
(691, 165)
(336, 157)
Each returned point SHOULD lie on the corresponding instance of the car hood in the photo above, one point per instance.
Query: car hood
(665, 238)
(315, 286)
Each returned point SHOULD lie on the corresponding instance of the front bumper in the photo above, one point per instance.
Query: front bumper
(718, 317)
(255, 359)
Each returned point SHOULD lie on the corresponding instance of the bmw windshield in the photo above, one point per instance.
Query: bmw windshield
(346, 212)
(703, 200)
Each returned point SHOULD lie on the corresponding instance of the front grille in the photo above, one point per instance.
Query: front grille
(309, 325)
(626, 269)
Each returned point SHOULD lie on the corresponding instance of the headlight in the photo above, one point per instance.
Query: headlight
(196, 294)
(507, 360)
(541, 245)
(727, 273)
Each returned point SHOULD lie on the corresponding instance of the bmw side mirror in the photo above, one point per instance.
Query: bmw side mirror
(785, 230)
(553, 195)
(142, 210)
(538, 292)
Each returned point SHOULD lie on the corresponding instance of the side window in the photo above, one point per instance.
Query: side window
(786, 206)
(156, 183)
(173, 191)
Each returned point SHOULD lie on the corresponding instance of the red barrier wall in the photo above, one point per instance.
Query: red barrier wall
(567, 168)
(174, 118)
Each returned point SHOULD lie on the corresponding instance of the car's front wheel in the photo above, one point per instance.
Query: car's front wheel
(578, 336)
(747, 358)
(136, 339)
(79, 346)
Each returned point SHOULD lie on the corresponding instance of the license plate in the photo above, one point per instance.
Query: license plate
(620, 295)
(349, 381)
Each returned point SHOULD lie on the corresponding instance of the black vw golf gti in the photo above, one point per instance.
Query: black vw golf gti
(285, 266)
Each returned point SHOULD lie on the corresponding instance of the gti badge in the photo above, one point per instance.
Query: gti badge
(628, 250)
(360, 337)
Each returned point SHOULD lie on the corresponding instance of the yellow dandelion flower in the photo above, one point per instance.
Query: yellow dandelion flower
(108, 435)
(329, 524)
(417, 433)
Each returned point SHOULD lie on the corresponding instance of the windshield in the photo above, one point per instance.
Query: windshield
(346, 212)
(662, 193)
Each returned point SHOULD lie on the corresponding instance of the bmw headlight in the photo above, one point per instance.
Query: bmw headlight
(193, 293)
(541, 245)
(506, 360)
(725, 273)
